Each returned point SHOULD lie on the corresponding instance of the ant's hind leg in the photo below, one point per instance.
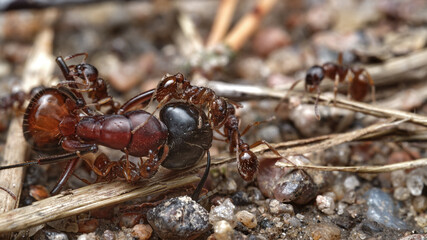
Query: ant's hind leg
(274, 150)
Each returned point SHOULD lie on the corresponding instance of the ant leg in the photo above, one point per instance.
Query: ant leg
(76, 55)
(255, 124)
(9, 192)
(371, 82)
(66, 174)
(336, 82)
(271, 149)
(350, 85)
(142, 99)
(196, 193)
(316, 109)
(287, 93)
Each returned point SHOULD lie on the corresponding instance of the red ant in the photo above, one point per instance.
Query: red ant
(221, 113)
(358, 81)
(58, 119)
(87, 81)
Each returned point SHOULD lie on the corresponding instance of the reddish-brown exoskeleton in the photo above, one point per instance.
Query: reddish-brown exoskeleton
(59, 120)
(359, 80)
(221, 114)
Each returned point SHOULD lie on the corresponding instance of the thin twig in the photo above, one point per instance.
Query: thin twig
(222, 21)
(361, 169)
(248, 24)
(82, 200)
(250, 92)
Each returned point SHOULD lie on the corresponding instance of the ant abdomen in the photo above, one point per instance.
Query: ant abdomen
(189, 138)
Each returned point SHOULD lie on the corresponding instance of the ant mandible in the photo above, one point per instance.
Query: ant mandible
(58, 119)
(358, 81)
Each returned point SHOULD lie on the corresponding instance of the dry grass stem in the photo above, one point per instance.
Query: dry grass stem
(222, 21)
(84, 199)
(248, 24)
(362, 169)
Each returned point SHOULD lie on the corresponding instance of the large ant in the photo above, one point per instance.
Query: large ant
(358, 81)
(221, 114)
(58, 119)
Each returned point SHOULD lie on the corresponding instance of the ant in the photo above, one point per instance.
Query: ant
(58, 119)
(221, 114)
(358, 81)
(88, 81)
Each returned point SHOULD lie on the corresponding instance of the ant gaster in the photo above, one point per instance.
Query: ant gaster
(358, 81)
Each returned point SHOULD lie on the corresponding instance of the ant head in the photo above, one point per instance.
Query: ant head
(87, 71)
(314, 76)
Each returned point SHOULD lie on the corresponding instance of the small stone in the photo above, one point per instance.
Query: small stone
(415, 184)
(421, 220)
(296, 187)
(420, 203)
(178, 218)
(51, 234)
(142, 231)
(341, 208)
(223, 230)
(325, 231)
(294, 222)
(224, 211)
(398, 178)
(351, 182)
(240, 199)
(349, 197)
(248, 219)
(87, 226)
(381, 209)
(325, 204)
(401, 193)
(277, 207)
(90, 236)
(109, 235)
(415, 237)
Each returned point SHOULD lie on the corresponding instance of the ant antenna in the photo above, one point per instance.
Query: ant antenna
(199, 187)
(19, 165)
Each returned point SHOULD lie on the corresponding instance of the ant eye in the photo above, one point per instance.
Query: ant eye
(148, 169)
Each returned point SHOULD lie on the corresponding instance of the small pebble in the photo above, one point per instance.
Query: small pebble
(401, 193)
(323, 231)
(248, 219)
(381, 209)
(89, 236)
(415, 184)
(277, 207)
(341, 207)
(178, 218)
(398, 178)
(223, 230)
(325, 204)
(240, 198)
(224, 211)
(50, 234)
(109, 235)
(296, 187)
(88, 226)
(142, 231)
(420, 203)
(351, 183)
(415, 237)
